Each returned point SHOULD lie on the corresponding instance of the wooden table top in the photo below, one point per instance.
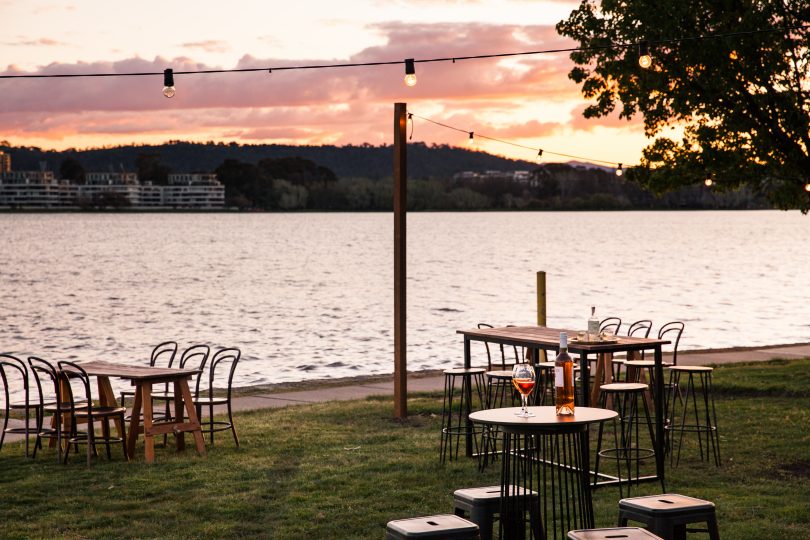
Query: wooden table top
(544, 417)
(543, 337)
(135, 373)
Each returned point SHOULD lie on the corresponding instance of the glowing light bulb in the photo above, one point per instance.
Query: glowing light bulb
(471, 140)
(644, 58)
(168, 83)
(807, 187)
(708, 182)
(410, 72)
(733, 55)
(619, 170)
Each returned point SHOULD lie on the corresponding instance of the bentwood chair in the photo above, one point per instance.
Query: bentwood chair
(47, 380)
(14, 370)
(611, 324)
(224, 361)
(640, 329)
(195, 357)
(84, 410)
(162, 355)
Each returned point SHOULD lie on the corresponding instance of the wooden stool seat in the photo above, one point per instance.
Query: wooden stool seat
(440, 527)
(628, 533)
(668, 515)
(692, 369)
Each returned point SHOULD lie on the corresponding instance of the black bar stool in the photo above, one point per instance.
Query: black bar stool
(668, 515)
(624, 398)
(627, 533)
(440, 527)
(704, 419)
(484, 503)
(456, 409)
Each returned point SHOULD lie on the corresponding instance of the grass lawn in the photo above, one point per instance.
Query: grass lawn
(344, 469)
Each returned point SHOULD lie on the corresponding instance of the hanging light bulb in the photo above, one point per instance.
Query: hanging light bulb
(644, 58)
(168, 83)
(733, 55)
(807, 187)
(619, 170)
(708, 182)
(410, 72)
(471, 140)
(539, 154)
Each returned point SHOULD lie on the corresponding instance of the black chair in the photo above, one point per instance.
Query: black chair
(195, 357)
(70, 373)
(162, 355)
(640, 329)
(672, 331)
(45, 375)
(11, 365)
(223, 360)
(610, 324)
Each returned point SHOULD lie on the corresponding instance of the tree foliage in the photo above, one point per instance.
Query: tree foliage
(742, 102)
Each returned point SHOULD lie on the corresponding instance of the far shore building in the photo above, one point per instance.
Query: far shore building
(41, 189)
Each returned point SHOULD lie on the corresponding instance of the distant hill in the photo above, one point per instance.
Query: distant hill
(367, 161)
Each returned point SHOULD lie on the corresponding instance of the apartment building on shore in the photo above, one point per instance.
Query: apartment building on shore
(41, 189)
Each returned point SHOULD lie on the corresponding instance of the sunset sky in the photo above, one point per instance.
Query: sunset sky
(528, 100)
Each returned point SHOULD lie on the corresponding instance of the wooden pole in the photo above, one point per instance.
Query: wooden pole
(400, 192)
(541, 298)
(541, 306)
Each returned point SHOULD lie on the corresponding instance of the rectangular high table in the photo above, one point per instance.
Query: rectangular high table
(143, 378)
(544, 338)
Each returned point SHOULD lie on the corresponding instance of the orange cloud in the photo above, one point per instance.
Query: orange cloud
(337, 105)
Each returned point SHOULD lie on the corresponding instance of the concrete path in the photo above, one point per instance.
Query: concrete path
(435, 383)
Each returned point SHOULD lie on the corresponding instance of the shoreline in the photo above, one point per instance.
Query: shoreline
(720, 356)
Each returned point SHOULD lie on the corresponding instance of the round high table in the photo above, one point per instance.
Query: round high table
(548, 454)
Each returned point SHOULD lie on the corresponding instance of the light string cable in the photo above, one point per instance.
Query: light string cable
(422, 60)
(540, 151)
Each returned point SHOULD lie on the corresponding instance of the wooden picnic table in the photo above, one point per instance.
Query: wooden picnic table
(143, 378)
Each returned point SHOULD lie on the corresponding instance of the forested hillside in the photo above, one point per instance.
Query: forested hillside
(358, 178)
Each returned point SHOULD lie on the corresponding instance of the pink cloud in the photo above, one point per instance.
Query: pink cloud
(339, 104)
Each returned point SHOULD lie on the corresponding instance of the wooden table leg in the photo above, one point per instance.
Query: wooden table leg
(180, 437)
(107, 399)
(134, 422)
(192, 417)
(148, 436)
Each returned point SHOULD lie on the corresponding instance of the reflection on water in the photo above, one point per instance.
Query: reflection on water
(309, 296)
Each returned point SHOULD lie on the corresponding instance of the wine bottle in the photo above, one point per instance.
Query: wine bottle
(593, 326)
(564, 379)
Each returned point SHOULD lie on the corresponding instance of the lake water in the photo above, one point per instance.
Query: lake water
(310, 296)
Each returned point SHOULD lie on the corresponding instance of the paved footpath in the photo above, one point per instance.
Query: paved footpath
(435, 383)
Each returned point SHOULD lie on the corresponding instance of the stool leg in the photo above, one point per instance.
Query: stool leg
(715, 430)
(714, 534)
(483, 519)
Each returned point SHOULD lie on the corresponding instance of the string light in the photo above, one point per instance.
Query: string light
(644, 58)
(732, 55)
(453, 59)
(471, 140)
(807, 187)
(410, 72)
(168, 83)
(708, 182)
(619, 170)
(540, 152)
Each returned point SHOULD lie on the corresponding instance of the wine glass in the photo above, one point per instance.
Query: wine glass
(523, 378)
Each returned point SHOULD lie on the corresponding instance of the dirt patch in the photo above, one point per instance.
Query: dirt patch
(798, 469)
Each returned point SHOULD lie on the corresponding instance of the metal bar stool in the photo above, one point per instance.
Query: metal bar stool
(624, 398)
(456, 411)
(440, 527)
(668, 515)
(628, 533)
(705, 420)
(484, 503)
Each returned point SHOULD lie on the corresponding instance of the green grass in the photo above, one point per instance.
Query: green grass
(344, 469)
